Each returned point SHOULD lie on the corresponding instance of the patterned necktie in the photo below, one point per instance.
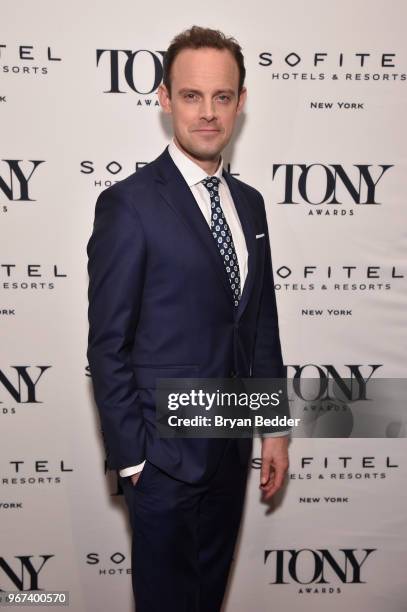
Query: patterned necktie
(223, 237)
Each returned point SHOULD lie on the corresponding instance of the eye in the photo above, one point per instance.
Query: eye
(190, 96)
(224, 98)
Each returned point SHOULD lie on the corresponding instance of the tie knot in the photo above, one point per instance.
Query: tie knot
(211, 182)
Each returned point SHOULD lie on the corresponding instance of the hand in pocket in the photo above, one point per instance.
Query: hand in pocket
(135, 477)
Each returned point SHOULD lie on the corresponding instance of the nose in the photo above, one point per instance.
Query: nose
(207, 109)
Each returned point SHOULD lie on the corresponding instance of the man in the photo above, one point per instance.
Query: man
(181, 286)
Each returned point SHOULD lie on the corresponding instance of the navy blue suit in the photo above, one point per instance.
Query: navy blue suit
(160, 306)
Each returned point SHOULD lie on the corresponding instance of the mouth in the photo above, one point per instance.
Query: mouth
(207, 131)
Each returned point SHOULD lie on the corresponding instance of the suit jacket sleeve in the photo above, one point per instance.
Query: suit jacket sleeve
(117, 257)
(268, 361)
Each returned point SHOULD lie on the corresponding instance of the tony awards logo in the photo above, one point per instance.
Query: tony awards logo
(139, 71)
(329, 188)
(16, 177)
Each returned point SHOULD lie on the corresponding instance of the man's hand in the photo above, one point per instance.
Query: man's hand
(134, 478)
(274, 464)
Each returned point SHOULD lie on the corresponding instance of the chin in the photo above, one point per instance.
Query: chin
(201, 150)
(206, 153)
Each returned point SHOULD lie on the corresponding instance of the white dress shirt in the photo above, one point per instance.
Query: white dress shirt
(193, 175)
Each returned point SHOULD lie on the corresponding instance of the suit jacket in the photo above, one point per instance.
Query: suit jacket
(160, 306)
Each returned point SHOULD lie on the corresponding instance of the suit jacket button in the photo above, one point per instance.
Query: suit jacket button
(232, 374)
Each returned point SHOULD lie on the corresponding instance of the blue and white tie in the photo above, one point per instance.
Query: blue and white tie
(223, 237)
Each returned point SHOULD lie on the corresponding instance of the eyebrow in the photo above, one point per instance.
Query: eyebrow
(216, 93)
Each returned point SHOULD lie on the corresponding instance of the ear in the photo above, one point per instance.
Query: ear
(241, 101)
(164, 98)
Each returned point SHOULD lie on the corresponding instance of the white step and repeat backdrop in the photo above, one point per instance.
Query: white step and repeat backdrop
(323, 137)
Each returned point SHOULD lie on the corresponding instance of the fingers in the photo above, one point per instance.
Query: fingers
(265, 473)
(134, 478)
(275, 480)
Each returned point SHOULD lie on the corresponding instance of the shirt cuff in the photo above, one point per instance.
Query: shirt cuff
(276, 434)
(133, 469)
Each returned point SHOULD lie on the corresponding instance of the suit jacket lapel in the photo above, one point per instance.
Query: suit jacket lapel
(177, 194)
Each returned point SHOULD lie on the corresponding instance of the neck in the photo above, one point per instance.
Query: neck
(208, 165)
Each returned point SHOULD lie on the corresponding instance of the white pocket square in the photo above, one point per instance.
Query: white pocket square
(259, 236)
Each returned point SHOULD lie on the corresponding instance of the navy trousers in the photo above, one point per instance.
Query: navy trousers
(183, 536)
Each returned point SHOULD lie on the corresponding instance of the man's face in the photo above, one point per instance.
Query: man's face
(204, 101)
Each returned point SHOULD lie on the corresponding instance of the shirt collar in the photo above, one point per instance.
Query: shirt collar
(192, 173)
